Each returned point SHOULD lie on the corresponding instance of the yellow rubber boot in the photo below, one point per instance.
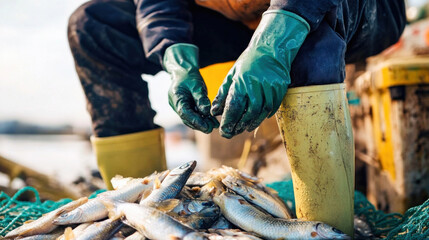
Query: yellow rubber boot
(130, 155)
(316, 129)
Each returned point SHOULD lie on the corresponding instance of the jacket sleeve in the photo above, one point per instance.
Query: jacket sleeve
(162, 23)
(313, 11)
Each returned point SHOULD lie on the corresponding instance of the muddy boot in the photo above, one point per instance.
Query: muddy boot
(317, 132)
(130, 155)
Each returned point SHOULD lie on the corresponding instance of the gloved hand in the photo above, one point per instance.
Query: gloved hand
(255, 86)
(188, 92)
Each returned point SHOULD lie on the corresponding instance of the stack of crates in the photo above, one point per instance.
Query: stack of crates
(395, 98)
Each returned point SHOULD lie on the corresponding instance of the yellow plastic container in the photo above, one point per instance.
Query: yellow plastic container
(382, 84)
(395, 97)
(214, 75)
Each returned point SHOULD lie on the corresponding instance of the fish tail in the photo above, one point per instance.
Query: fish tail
(68, 234)
(12, 234)
(157, 183)
(167, 205)
(172, 237)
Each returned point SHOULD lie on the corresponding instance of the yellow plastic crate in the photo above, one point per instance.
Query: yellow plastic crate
(397, 91)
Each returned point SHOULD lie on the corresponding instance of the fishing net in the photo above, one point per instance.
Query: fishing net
(414, 224)
(13, 213)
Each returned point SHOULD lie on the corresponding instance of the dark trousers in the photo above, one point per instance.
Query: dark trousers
(109, 57)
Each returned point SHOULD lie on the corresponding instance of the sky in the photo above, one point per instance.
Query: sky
(417, 2)
(38, 83)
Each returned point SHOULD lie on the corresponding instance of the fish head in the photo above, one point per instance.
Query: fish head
(229, 199)
(189, 166)
(210, 211)
(237, 185)
(325, 231)
(195, 206)
(74, 216)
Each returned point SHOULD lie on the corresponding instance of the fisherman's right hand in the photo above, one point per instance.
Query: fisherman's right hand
(188, 92)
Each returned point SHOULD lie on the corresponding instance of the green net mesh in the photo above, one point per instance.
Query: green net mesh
(381, 223)
(413, 225)
(13, 213)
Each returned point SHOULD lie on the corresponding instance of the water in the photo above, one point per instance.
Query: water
(62, 156)
(67, 157)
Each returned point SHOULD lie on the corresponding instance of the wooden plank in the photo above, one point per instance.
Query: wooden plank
(410, 136)
(48, 187)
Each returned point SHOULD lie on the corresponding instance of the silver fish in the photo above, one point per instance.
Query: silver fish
(362, 229)
(197, 214)
(44, 223)
(229, 171)
(214, 187)
(233, 234)
(101, 230)
(188, 206)
(136, 236)
(195, 220)
(241, 213)
(94, 209)
(125, 231)
(152, 223)
(222, 223)
(196, 236)
(71, 233)
(47, 236)
(119, 181)
(198, 179)
(257, 196)
(172, 184)
(189, 192)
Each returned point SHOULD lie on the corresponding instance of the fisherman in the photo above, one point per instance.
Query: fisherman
(301, 45)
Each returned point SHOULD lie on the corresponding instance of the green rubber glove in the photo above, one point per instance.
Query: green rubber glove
(188, 92)
(255, 86)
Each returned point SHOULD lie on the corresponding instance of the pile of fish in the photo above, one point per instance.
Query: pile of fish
(222, 203)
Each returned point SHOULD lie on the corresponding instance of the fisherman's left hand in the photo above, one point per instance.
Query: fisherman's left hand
(255, 86)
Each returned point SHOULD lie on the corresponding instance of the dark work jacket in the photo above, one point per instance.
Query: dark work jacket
(161, 23)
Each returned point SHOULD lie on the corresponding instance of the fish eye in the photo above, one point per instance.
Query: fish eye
(184, 166)
(337, 231)
(64, 215)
